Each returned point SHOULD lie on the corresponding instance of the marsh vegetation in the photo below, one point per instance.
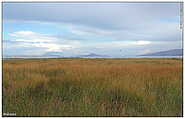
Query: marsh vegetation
(93, 87)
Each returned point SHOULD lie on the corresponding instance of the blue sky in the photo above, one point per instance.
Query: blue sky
(114, 29)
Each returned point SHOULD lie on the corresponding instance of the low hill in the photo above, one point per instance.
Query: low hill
(173, 52)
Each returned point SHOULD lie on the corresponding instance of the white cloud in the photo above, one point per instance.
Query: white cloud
(142, 42)
(120, 44)
(52, 46)
(24, 33)
(38, 40)
(29, 36)
(145, 51)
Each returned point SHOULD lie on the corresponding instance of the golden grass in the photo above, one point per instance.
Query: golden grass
(92, 87)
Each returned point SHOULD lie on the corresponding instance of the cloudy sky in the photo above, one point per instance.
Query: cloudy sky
(114, 29)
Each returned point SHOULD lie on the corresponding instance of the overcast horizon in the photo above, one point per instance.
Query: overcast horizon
(113, 29)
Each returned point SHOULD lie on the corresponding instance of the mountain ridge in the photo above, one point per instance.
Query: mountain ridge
(93, 55)
(172, 52)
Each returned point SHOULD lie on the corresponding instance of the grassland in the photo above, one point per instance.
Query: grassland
(92, 87)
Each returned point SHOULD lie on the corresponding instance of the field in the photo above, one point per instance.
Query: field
(93, 87)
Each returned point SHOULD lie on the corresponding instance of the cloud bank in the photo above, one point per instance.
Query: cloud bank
(85, 26)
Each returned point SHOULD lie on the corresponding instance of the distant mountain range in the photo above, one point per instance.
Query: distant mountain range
(93, 55)
(174, 52)
(57, 55)
(53, 54)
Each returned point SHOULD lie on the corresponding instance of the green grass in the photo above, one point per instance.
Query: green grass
(93, 87)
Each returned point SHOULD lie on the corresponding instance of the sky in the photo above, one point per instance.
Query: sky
(113, 29)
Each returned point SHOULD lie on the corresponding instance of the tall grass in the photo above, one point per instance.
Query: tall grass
(93, 87)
